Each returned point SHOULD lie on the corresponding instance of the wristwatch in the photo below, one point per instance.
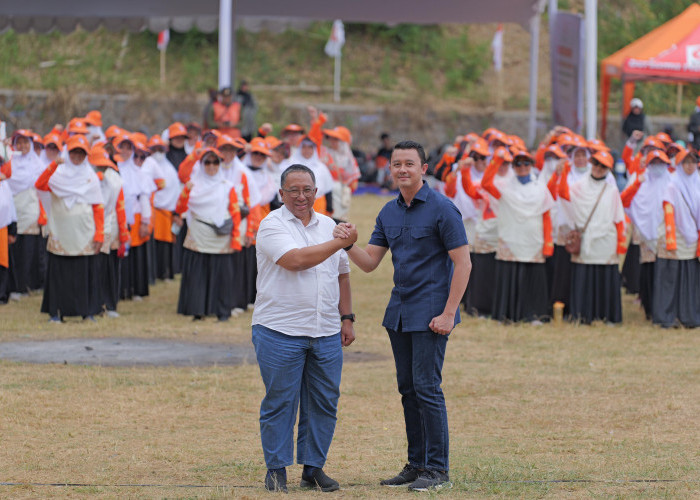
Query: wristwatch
(350, 316)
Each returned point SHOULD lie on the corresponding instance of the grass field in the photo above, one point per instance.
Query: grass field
(570, 412)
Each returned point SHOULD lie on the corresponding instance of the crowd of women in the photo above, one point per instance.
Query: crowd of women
(549, 230)
(95, 216)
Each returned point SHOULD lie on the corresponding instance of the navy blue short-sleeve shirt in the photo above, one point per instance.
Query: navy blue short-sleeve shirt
(419, 237)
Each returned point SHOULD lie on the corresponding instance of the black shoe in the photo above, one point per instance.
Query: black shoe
(406, 476)
(276, 480)
(197, 317)
(430, 480)
(314, 477)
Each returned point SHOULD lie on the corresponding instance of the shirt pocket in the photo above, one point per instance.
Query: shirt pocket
(393, 233)
(423, 239)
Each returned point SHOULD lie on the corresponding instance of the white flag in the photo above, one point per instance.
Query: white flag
(163, 39)
(336, 41)
(497, 48)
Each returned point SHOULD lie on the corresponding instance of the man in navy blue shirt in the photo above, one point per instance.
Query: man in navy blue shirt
(429, 250)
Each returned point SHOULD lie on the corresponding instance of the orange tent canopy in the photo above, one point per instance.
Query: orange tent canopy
(650, 45)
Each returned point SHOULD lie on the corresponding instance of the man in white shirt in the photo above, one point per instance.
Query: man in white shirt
(303, 315)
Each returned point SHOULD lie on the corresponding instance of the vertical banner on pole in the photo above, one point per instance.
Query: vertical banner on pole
(497, 48)
(566, 53)
(334, 48)
(163, 40)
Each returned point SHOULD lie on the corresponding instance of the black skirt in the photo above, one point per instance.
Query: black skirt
(178, 248)
(595, 293)
(72, 286)
(251, 273)
(4, 284)
(676, 294)
(560, 285)
(27, 263)
(646, 287)
(205, 289)
(110, 267)
(630, 270)
(151, 256)
(134, 273)
(164, 253)
(238, 284)
(520, 292)
(478, 298)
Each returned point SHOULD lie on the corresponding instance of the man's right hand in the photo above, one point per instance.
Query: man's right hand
(637, 135)
(346, 231)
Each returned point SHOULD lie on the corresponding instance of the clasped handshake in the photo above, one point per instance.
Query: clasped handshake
(347, 232)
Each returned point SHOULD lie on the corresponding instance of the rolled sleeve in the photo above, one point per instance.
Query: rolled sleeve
(378, 237)
(274, 240)
(451, 228)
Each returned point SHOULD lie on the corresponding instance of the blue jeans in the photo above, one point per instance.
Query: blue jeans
(419, 357)
(304, 373)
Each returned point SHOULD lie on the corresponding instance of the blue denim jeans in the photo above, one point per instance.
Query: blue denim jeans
(304, 373)
(419, 357)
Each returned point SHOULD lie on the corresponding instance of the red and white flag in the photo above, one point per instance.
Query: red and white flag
(335, 42)
(163, 39)
(497, 48)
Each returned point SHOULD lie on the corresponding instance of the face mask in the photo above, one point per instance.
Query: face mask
(158, 156)
(656, 170)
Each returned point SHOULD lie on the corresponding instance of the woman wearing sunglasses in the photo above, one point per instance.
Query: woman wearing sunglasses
(213, 219)
(594, 207)
(524, 241)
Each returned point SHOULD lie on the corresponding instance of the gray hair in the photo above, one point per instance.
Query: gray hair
(297, 167)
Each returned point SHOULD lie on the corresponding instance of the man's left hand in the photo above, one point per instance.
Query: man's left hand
(442, 324)
(347, 333)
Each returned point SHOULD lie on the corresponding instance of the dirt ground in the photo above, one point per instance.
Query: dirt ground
(535, 412)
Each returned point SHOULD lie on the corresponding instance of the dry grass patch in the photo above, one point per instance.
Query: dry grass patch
(526, 405)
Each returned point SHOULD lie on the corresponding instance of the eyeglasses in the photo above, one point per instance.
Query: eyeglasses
(296, 192)
(522, 163)
(140, 156)
(595, 163)
(211, 162)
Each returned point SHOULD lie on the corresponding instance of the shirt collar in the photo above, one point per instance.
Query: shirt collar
(287, 215)
(421, 195)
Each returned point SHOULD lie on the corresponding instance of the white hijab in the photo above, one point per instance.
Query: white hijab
(646, 210)
(683, 192)
(134, 184)
(76, 183)
(234, 172)
(166, 198)
(8, 215)
(26, 169)
(324, 179)
(209, 197)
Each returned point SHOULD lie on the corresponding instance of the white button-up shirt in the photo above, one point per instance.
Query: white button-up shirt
(298, 303)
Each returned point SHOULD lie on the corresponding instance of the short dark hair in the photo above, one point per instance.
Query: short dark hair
(297, 167)
(385, 135)
(412, 145)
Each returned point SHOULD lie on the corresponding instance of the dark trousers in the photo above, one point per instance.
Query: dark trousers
(419, 357)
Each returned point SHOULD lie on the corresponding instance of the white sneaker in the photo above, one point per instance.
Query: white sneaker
(251, 306)
(112, 314)
(237, 310)
(137, 298)
(537, 322)
(16, 296)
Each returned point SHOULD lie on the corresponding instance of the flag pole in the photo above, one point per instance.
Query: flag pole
(162, 67)
(336, 78)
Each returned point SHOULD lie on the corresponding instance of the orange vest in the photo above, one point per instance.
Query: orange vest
(230, 113)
